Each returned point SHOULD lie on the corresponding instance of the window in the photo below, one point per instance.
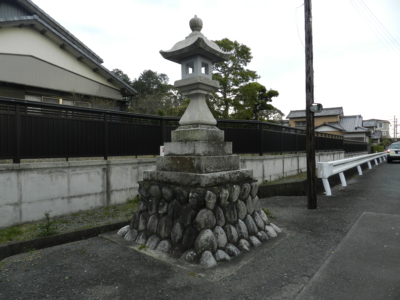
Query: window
(33, 98)
(51, 100)
(300, 123)
(82, 104)
(67, 102)
(204, 68)
(380, 125)
(189, 67)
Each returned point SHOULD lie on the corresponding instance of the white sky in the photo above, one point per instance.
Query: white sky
(353, 67)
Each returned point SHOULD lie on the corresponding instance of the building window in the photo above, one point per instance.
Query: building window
(380, 125)
(300, 123)
(33, 98)
(51, 100)
(67, 102)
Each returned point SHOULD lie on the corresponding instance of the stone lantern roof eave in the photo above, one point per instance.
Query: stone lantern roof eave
(199, 47)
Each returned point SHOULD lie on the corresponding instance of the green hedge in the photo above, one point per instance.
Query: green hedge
(376, 148)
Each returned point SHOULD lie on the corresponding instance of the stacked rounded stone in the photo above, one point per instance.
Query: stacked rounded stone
(203, 226)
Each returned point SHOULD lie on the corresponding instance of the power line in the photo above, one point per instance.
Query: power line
(394, 41)
(297, 25)
(373, 24)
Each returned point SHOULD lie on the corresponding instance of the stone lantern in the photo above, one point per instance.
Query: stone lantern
(196, 54)
(198, 205)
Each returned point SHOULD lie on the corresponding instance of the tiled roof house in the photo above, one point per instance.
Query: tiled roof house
(297, 118)
(379, 129)
(42, 61)
(332, 120)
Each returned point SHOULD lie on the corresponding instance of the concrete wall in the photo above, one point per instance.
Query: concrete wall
(273, 167)
(29, 190)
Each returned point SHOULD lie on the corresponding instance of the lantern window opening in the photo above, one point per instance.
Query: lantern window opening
(189, 68)
(204, 68)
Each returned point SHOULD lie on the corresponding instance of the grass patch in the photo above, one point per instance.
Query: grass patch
(72, 222)
(268, 213)
(10, 234)
(142, 247)
(17, 233)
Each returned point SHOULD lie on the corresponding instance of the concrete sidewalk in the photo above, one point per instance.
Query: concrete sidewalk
(335, 252)
(365, 265)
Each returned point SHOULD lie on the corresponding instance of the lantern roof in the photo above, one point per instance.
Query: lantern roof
(195, 44)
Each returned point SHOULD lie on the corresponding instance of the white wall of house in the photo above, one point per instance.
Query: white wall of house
(356, 136)
(28, 41)
(325, 129)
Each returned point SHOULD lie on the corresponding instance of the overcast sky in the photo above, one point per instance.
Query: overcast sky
(356, 62)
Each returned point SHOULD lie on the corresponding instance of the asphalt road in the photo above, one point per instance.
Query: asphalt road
(335, 252)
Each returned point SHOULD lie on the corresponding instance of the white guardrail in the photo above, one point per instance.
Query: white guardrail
(327, 169)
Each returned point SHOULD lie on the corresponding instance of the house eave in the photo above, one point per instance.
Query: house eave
(66, 44)
(32, 7)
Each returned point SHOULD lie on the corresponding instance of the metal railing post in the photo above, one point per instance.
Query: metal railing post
(162, 124)
(18, 139)
(261, 141)
(105, 137)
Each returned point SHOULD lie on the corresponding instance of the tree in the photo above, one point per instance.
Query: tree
(155, 95)
(231, 75)
(151, 83)
(274, 115)
(252, 99)
(385, 142)
(121, 75)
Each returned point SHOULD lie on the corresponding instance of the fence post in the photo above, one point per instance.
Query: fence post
(105, 137)
(17, 158)
(326, 142)
(261, 136)
(162, 124)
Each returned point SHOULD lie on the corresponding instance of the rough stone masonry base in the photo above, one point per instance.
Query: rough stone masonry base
(199, 225)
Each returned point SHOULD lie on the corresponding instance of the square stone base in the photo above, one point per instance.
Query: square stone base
(199, 180)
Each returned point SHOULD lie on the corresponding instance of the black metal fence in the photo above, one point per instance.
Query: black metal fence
(40, 130)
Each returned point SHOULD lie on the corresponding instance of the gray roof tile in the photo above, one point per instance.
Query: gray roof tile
(331, 111)
(373, 122)
(334, 125)
(376, 135)
(352, 123)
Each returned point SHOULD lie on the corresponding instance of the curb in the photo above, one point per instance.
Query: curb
(14, 248)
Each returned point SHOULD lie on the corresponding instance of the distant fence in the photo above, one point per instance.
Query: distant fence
(31, 130)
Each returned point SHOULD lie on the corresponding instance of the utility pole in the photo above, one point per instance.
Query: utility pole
(310, 136)
(395, 128)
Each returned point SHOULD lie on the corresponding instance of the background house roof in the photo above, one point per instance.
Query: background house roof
(352, 123)
(334, 125)
(25, 13)
(19, 8)
(373, 122)
(376, 135)
(331, 111)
